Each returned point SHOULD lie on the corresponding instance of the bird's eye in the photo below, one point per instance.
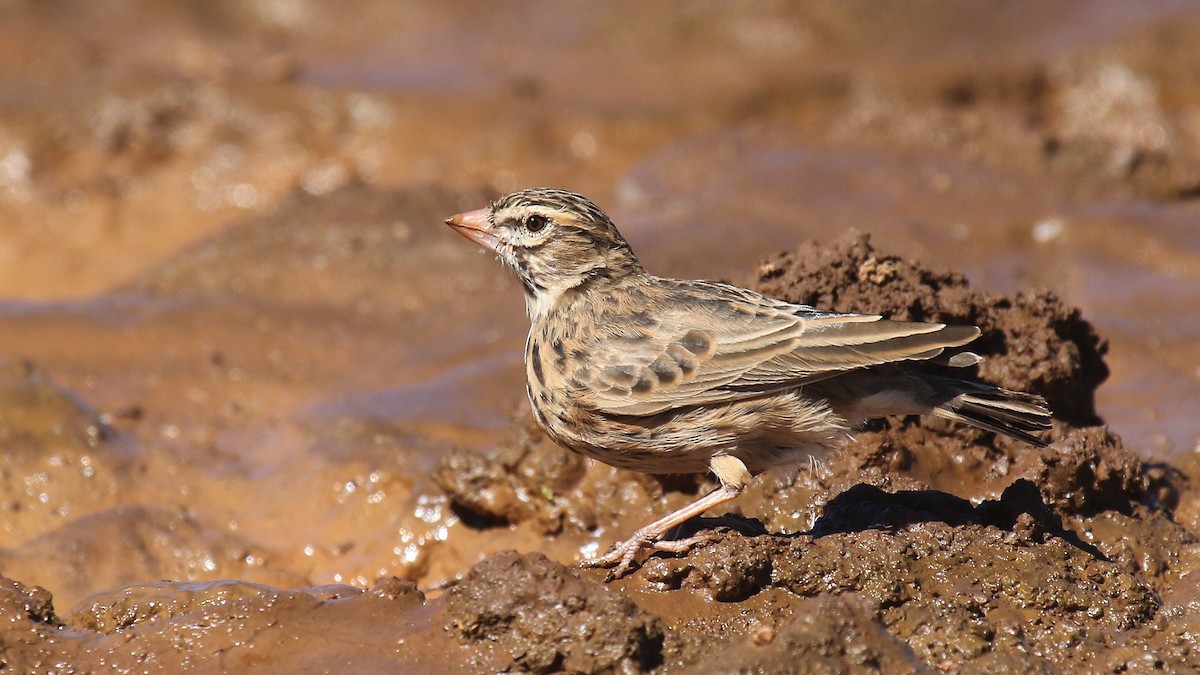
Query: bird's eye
(536, 223)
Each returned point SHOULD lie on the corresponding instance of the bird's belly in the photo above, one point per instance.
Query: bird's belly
(621, 443)
(763, 434)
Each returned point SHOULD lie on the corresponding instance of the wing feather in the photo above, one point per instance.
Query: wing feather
(714, 343)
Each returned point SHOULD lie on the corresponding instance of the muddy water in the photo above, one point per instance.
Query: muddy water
(236, 340)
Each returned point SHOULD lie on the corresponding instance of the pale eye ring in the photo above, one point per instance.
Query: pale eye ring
(536, 223)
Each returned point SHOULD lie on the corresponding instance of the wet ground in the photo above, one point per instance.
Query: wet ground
(259, 408)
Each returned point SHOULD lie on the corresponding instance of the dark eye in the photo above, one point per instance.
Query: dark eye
(536, 223)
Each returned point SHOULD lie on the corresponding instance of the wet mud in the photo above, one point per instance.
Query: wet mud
(919, 546)
(260, 410)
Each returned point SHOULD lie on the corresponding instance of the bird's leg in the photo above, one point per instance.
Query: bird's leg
(624, 554)
(733, 476)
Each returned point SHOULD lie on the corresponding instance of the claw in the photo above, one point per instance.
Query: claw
(623, 556)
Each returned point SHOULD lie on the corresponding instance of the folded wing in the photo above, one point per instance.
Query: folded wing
(716, 343)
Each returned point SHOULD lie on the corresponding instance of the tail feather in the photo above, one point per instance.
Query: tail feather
(1012, 413)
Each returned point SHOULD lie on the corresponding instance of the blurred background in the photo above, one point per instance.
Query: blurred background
(225, 283)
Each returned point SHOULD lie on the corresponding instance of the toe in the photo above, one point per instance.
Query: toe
(681, 546)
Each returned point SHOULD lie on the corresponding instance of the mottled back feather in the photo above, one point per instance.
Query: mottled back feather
(713, 343)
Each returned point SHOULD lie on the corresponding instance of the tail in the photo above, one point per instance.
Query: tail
(1012, 413)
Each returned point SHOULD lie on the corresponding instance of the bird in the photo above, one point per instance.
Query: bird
(673, 376)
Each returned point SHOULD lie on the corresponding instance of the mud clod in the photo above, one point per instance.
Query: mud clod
(827, 634)
(481, 490)
(393, 588)
(545, 618)
(1037, 344)
(726, 570)
(1090, 471)
(19, 602)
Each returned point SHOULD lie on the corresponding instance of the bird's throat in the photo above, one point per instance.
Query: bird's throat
(539, 303)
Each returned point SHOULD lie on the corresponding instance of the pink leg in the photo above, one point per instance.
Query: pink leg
(622, 555)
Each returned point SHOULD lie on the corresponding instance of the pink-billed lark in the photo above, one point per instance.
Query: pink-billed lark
(676, 376)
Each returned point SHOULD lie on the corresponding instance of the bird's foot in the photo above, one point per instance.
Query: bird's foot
(623, 556)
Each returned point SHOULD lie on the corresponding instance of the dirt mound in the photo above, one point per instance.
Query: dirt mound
(1031, 341)
(1012, 575)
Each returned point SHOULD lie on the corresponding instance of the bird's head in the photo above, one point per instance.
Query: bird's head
(556, 242)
